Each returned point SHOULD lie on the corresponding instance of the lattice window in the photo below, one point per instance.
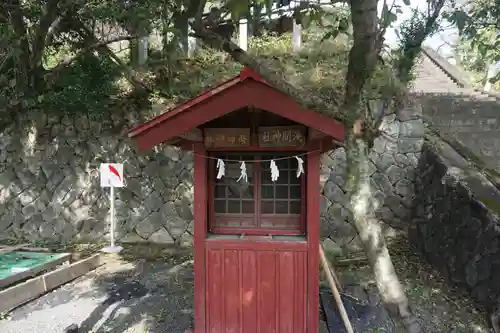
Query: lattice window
(258, 206)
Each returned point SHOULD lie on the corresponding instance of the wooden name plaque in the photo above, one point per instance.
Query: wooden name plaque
(281, 136)
(227, 137)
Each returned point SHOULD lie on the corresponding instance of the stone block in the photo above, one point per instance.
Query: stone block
(162, 237)
(333, 192)
(149, 225)
(412, 129)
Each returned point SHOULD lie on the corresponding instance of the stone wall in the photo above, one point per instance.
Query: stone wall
(473, 121)
(49, 182)
(393, 160)
(455, 221)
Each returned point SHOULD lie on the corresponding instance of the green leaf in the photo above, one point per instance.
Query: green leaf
(343, 25)
(460, 19)
(269, 5)
(406, 2)
(332, 34)
(385, 10)
(388, 17)
(237, 8)
(392, 17)
(306, 20)
(483, 49)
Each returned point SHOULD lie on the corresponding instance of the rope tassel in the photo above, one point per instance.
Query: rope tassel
(300, 166)
(221, 168)
(275, 173)
(243, 174)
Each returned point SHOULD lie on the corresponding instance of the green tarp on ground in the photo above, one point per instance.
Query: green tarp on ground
(17, 261)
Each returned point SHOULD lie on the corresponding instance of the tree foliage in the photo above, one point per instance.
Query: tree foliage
(412, 33)
(478, 23)
(472, 62)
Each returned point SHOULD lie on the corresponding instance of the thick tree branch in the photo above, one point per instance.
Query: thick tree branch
(19, 27)
(66, 62)
(363, 54)
(433, 16)
(48, 17)
(411, 47)
(90, 39)
(52, 30)
(275, 79)
(3, 16)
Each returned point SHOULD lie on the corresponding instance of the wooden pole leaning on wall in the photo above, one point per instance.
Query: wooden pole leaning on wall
(335, 291)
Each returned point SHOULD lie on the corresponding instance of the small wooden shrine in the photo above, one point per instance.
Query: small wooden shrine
(256, 203)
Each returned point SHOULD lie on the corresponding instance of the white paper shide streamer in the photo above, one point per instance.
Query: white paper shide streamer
(221, 168)
(300, 166)
(243, 174)
(275, 173)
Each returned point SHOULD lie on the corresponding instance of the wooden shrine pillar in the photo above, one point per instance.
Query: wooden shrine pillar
(313, 230)
(200, 233)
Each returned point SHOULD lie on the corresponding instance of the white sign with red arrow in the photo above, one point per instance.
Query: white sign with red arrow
(112, 175)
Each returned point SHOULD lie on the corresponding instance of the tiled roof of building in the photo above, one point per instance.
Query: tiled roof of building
(466, 116)
(435, 75)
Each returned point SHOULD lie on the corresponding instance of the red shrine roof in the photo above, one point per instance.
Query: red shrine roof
(245, 73)
(245, 89)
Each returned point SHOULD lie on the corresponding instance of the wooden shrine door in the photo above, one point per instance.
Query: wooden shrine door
(256, 286)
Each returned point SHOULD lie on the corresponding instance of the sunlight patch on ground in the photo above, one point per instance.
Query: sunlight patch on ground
(176, 269)
(29, 141)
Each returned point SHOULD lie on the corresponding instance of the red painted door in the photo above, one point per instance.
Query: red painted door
(256, 287)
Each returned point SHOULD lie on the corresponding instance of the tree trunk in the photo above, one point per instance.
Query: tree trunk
(23, 63)
(370, 233)
(255, 19)
(181, 32)
(133, 50)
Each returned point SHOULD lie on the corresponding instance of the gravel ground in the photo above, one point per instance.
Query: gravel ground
(119, 297)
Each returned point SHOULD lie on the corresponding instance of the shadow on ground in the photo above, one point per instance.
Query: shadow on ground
(365, 316)
(153, 296)
(125, 295)
(439, 306)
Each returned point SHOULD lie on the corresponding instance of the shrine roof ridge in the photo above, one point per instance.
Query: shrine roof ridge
(245, 74)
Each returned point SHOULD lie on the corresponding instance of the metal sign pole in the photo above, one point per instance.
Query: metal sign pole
(112, 248)
(109, 175)
(112, 212)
